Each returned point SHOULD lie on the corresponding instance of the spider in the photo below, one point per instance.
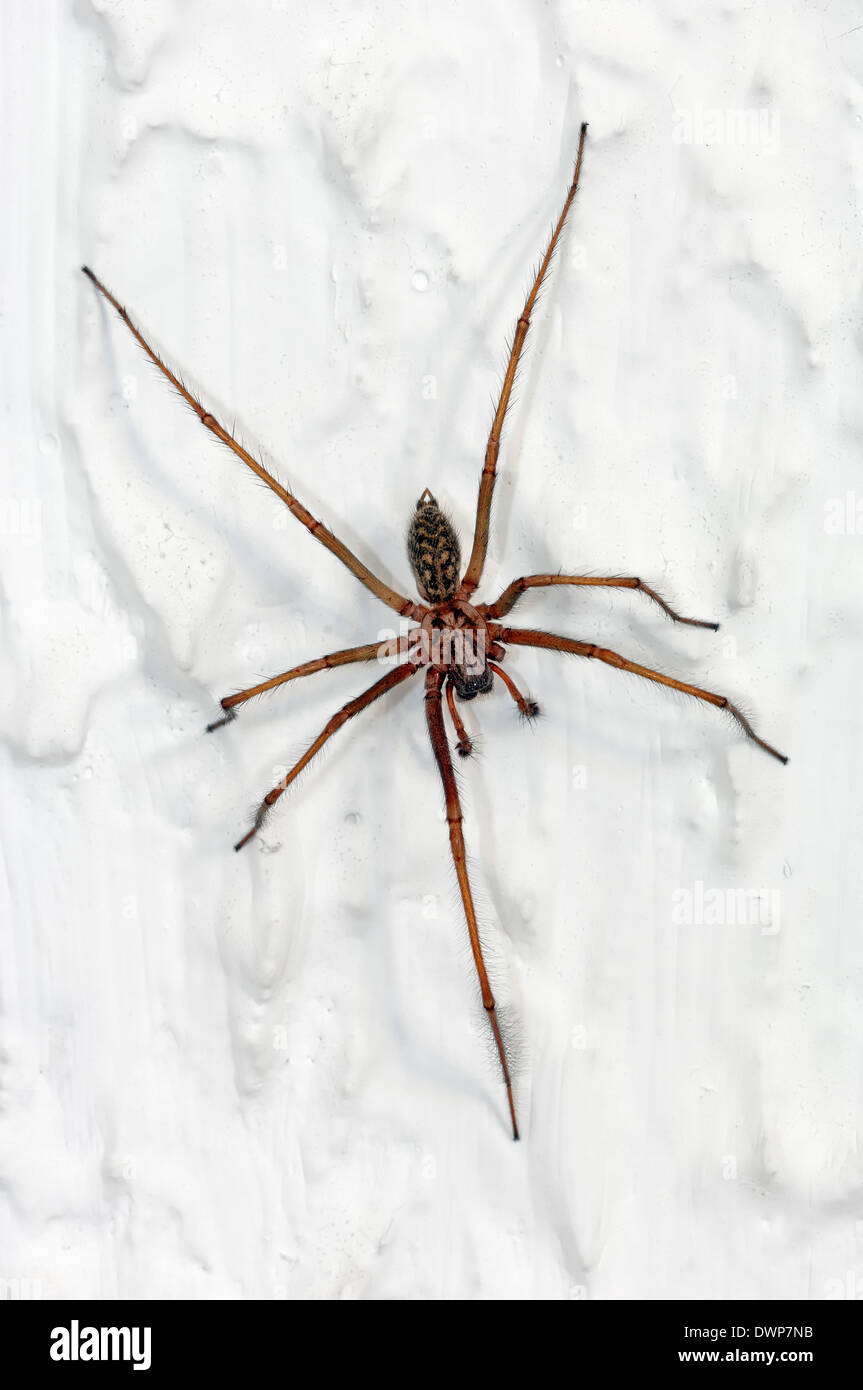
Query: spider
(458, 643)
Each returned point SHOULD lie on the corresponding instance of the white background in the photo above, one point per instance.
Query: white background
(268, 1075)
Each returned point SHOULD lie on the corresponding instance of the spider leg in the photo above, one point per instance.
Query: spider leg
(464, 747)
(486, 487)
(524, 637)
(529, 709)
(434, 716)
(387, 682)
(389, 596)
(323, 663)
(510, 597)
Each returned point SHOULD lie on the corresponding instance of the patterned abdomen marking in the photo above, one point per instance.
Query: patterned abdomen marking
(433, 551)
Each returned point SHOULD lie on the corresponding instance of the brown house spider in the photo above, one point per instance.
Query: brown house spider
(459, 644)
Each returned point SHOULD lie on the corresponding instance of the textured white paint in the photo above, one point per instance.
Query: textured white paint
(266, 1075)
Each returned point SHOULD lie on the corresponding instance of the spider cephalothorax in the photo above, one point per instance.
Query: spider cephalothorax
(454, 635)
(454, 639)
(459, 644)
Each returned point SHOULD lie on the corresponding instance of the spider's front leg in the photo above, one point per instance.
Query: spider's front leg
(488, 477)
(398, 602)
(437, 733)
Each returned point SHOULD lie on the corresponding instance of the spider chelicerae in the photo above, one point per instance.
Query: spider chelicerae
(457, 642)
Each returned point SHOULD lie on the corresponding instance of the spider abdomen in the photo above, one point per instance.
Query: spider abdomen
(433, 551)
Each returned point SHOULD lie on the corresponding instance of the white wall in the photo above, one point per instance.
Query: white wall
(267, 1074)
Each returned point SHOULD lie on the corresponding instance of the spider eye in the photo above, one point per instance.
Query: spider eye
(468, 687)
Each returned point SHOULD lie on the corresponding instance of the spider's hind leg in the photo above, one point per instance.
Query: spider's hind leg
(440, 747)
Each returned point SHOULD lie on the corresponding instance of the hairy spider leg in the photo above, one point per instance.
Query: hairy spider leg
(524, 637)
(353, 707)
(473, 572)
(437, 733)
(511, 595)
(403, 605)
(464, 747)
(528, 708)
(371, 651)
